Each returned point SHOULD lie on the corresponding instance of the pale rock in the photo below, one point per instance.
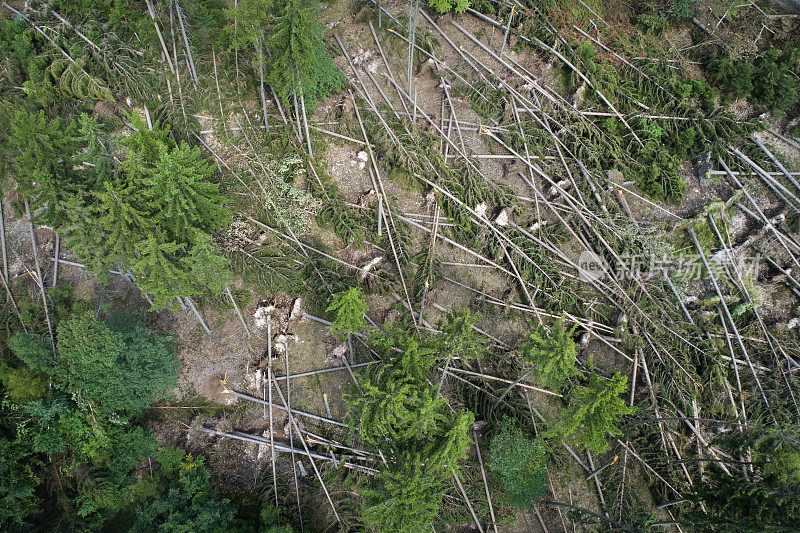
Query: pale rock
(338, 351)
(480, 209)
(261, 315)
(297, 310)
(362, 160)
(537, 225)
(504, 217)
(279, 345)
(556, 189)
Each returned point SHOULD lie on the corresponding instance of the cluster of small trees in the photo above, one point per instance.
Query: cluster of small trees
(71, 427)
(150, 213)
(398, 411)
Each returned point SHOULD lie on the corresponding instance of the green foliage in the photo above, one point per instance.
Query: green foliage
(521, 464)
(300, 60)
(446, 6)
(250, 19)
(552, 354)
(118, 367)
(656, 15)
(189, 502)
(42, 164)
(155, 218)
(657, 173)
(293, 208)
(594, 411)
(349, 307)
(736, 504)
(399, 412)
(18, 482)
(776, 85)
(402, 500)
(458, 338)
(22, 384)
(66, 79)
(734, 77)
(769, 79)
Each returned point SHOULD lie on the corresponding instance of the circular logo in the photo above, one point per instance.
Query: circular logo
(591, 266)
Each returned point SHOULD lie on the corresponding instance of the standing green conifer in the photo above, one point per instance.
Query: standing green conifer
(594, 411)
(349, 307)
(300, 60)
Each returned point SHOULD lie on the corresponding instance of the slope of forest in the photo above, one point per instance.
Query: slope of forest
(370, 265)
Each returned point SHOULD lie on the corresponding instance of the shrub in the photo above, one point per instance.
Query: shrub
(446, 6)
(521, 464)
(117, 367)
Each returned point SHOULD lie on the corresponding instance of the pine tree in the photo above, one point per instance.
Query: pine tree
(251, 18)
(154, 217)
(593, 411)
(553, 355)
(520, 462)
(349, 307)
(400, 413)
(41, 153)
(299, 59)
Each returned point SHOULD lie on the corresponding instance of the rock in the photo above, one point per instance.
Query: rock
(480, 209)
(372, 67)
(368, 198)
(369, 266)
(362, 159)
(279, 344)
(535, 226)
(260, 316)
(297, 310)
(338, 351)
(504, 217)
(554, 190)
(577, 98)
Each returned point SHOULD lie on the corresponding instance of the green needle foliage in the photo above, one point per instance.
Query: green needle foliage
(188, 502)
(594, 411)
(401, 414)
(349, 307)
(155, 218)
(446, 6)
(117, 367)
(552, 354)
(521, 464)
(459, 338)
(300, 61)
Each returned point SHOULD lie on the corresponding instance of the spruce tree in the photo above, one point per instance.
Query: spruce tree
(594, 411)
(399, 412)
(553, 354)
(299, 59)
(349, 307)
